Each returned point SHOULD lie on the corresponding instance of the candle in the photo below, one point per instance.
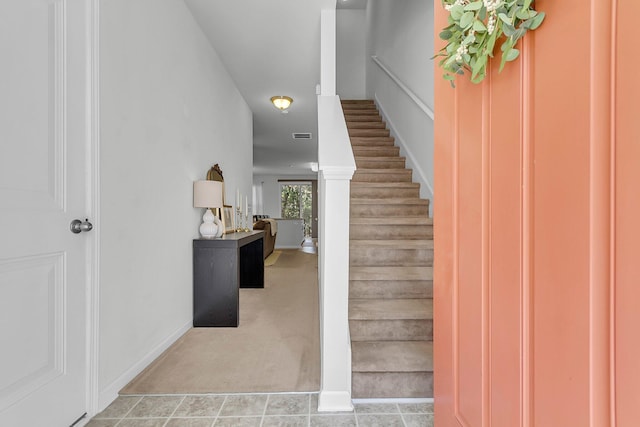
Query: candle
(238, 198)
(246, 205)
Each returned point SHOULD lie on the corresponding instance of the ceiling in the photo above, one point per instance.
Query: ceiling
(272, 48)
(351, 4)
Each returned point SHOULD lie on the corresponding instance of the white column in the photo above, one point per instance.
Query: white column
(336, 165)
(335, 391)
(328, 52)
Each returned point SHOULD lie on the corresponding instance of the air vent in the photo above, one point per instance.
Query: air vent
(301, 135)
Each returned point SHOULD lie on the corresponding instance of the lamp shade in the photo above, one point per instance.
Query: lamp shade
(207, 194)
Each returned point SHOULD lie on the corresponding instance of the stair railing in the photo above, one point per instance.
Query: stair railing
(414, 132)
(424, 107)
(336, 166)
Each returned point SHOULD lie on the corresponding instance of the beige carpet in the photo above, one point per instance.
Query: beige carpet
(272, 258)
(276, 348)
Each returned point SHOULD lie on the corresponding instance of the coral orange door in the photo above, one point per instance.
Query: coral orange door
(537, 222)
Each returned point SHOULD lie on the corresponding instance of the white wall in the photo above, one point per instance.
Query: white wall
(169, 111)
(350, 53)
(400, 34)
(271, 191)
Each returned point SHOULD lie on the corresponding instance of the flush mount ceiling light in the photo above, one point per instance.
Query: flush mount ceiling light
(281, 102)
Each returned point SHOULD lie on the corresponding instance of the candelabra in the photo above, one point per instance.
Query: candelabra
(246, 222)
(239, 227)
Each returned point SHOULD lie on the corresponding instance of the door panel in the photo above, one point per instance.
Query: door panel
(468, 281)
(35, 283)
(43, 128)
(32, 38)
(536, 277)
(626, 234)
(502, 211)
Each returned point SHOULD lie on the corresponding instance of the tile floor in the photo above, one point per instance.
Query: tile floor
(254, 410)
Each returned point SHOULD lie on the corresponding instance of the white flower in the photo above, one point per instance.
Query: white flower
(492, 5)
(457, 3)
(462, 50)
(491, 24)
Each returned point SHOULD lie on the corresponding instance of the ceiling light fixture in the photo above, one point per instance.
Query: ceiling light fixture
(281, 102)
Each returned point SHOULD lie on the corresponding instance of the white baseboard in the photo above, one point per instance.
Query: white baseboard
(334, 401)
(411, 159)
(109, 393)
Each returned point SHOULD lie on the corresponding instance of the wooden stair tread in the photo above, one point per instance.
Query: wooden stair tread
(356, 112)
(356, 101)
(373, 148)
(352, 118)
(392, 356)
(390, 273)
(359, 106)
(402, 220)
(380, 158)
(377, 142)
(393, 244)
(375, 151)
(383, 171)
(359, 124)
(360, 111)
(368, 132)
(391, 309)
(385, 184)
(388, 139)
(386, 201)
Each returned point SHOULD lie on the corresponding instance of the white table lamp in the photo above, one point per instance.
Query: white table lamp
(208, 194)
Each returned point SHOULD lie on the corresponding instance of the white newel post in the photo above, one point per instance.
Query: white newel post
(336, 167)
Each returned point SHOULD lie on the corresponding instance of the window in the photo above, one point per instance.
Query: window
(295, 202)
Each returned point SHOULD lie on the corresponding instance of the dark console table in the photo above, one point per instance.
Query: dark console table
(220, 267)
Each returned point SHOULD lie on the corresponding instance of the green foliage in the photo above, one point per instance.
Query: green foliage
(295, 202)
(475, 26)
(290, 201)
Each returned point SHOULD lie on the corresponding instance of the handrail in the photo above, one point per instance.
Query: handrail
(335, 155)
(424, 107)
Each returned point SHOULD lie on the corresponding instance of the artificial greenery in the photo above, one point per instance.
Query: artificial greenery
(474, 28)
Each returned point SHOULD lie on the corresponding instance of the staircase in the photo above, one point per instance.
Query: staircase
(391, 273)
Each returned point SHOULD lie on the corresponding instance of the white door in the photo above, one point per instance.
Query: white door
(43, 175)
